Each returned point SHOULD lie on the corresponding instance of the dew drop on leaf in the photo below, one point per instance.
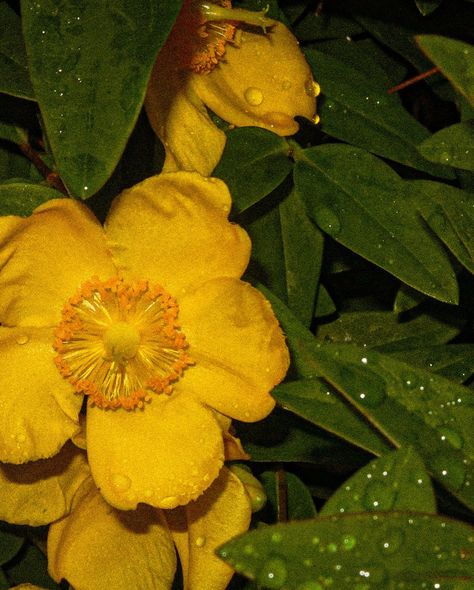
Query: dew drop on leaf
(328, 221)
(392, 541)
(273, 573)
(451, 436)
(378, 496)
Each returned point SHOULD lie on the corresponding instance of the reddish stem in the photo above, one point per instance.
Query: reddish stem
(413, 80)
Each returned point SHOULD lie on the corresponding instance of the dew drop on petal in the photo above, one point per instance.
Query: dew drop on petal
(200, 541)
(273, 573)
(120, 482)
(22, 339)
(254, 96)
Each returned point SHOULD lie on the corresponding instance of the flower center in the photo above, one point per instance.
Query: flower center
(119, 342)
(202, 29)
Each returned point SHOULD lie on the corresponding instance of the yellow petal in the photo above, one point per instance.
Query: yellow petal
(44, 258)
(164, 455)
(263, 80)
(173, 230)
(39, 411)
(237, 345)
(221, 513)
(99, 548)
(179, 118)
(40, 492)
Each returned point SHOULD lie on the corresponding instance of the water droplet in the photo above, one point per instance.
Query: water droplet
(392, 541)
(276, 537)
(254, 96)
(348, 542)
(378, 496)
(22, 339)
(449, 468)
(120, 482)
(273, 573)
(445, 157)
(200, 541)
(286, 84)
(312, 88)
(451, 436)
(437, 221)
(332, 547)
(328, 221)
(249, 549)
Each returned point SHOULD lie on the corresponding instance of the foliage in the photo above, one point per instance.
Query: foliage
(363, 240)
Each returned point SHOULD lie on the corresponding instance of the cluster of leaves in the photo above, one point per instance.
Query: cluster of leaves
(363, 240)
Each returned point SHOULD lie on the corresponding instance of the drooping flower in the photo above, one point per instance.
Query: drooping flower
(254, 75)
(148, 318)
(93, 546)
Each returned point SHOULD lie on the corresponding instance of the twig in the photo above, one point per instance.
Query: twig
(413, 80)
(52, 178)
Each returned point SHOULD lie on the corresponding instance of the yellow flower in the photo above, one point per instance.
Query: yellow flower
(94, 546)
(147, 317)
(246, 76)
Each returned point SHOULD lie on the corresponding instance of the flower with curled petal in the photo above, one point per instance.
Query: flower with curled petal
(252, 74)
(146, 318)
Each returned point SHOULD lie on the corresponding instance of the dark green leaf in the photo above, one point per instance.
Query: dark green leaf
(454, 58)
(31, 567)
(10, 544)
(89, 62)
(358, 110)
(409, 406)
(21, 198)
(363, 204)
(316, 401)
(255, 161)
(396, 481)
(13, 133)
(303, 250)
(285, 437)
(383, 330)
(393, 550)
(407, 298)
(284, 488)
(324, 304)
(453, 361)
(427, 6)
(4, 583)
(452, 145)
(14, 76)
(449, 212)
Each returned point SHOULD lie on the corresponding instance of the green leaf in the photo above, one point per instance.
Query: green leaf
(316, 401)
(31, 568)
(363, 204)
(454, 58)
(285, 488)
(409, 406)
(10, 544)
(324, 304)
(89, 62)
(385, 332)
(14, 76)
(22, 197)
(12, 133)
(453, 361)
(396, 481)
(358, 110)
(427, 6)
(407, 298)
(285, 437)
(393, 550)
(452, 145)
(449, 212)
(255, 161)
(303, 251)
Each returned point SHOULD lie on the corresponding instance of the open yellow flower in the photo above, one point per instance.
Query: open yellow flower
(255, 76)
(147, 317)
(94, 546)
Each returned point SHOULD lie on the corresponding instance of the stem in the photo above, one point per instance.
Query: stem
(52, 178)
(413, 80)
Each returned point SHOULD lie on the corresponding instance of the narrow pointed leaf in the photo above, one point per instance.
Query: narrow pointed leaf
(396, 481)
(454, 58)
(14, 76)
(255, 161)
(358, 110)
(410, 406)
(316, 401)
(291, 493)
(363, 204)
(452, 145)
(363, 551)
(89, 64)
(427, 6)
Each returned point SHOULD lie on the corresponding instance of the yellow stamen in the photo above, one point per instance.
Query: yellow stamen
(119, 342)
